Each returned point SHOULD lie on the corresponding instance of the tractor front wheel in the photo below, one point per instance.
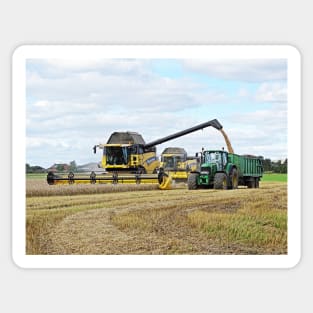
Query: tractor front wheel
(220, 181)
(192, 181)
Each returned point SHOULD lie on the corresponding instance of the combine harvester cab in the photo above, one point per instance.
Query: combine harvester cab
(126, 152)
(128, 159)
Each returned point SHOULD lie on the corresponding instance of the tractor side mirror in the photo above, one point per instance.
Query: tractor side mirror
(196, 154)
(95, 149)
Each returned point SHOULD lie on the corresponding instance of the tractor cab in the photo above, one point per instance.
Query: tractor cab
(213, 163)
(215, 158)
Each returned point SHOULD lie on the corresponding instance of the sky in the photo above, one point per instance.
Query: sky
(72, 105)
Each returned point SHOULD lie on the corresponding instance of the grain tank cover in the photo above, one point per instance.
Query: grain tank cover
(126, 138)
(174, 150)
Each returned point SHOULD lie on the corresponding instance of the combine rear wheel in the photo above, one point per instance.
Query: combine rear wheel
(220, 181)
(192, 181)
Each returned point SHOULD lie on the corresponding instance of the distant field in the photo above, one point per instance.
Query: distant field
(36, 176)
(275, 177)
(140, 219)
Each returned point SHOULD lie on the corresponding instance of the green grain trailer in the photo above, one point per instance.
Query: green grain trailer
(222, 170)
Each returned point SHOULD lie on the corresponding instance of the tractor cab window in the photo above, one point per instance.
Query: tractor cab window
(216, 157)
(224, 158)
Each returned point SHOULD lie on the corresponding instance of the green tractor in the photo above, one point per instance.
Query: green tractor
(220, 169)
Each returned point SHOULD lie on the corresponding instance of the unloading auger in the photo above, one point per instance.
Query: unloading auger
(128, 159)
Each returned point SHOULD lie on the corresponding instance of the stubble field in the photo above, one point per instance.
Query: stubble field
(140, 219)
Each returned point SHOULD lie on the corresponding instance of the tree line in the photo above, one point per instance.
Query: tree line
(34, 169)
(268, 166)
(275, 166)
(71, 167)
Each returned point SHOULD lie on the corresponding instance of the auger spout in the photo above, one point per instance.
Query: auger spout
(214, 123)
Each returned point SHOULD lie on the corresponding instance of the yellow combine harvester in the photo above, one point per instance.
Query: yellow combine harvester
(126, 158)
(177, 164)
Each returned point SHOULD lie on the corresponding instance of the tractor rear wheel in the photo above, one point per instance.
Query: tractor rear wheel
(234, 179)
(192, 181)
(220, 181)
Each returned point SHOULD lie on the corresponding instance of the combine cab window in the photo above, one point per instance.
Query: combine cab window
(168, 162)
(171, 162)
(136, 149)
(117, 155)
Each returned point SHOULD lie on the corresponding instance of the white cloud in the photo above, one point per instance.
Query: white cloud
(60, 68)
(263, 132)
(41, 103)
(271, 92)
(253, 70)
(243, 93)
(40, 142)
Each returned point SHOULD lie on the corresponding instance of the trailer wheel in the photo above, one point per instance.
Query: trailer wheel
(192, 181)
(251, 182)
(220, 181)
(234, 179)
